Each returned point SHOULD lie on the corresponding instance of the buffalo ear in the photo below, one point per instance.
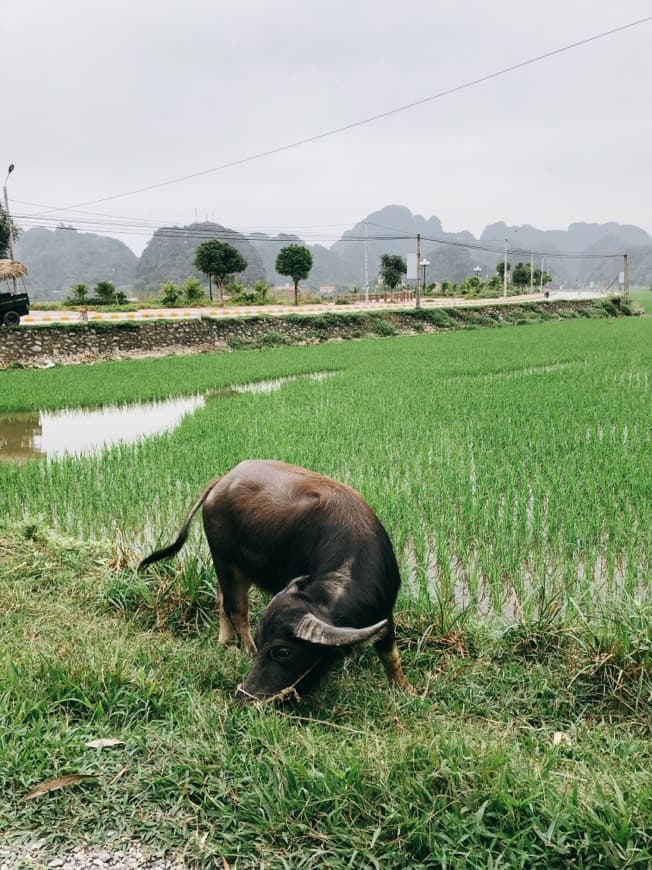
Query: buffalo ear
(295, 586)
(298, 584)
(316, 630)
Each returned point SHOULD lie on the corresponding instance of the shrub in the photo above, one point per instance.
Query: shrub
(382, 326)
(78, 295)
(274, 339)
(170, 294)
(192, 291)
(104, 293)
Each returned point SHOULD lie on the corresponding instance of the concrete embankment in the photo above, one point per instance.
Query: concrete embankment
(65, 344)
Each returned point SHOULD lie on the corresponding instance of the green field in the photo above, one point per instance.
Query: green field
(512, 470)
(644, 298)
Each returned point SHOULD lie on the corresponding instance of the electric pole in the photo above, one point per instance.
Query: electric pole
(11, 234)
(418, 293)
(505, 272)
(625, 279)
(531, 272)
(366, 265)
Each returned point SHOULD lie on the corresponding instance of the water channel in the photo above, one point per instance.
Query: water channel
(79, 431)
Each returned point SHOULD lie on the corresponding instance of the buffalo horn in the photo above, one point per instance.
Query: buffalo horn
(315, 630)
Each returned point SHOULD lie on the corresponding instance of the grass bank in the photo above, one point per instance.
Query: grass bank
(521, 748)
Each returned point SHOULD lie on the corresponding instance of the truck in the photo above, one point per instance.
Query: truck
(13, 306)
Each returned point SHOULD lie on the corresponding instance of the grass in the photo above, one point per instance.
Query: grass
(644, 298)
(512, 470)
(467, 772)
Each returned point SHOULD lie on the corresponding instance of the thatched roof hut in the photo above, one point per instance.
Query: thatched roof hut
(11, 269)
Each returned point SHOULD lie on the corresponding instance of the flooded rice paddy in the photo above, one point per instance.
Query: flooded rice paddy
(83, 431)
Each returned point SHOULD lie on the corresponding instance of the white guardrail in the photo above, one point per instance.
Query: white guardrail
(37, 318)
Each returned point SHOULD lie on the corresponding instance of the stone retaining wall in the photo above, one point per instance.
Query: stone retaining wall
(76, 343)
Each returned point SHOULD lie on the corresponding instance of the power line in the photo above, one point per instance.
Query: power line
(368, 120)
(233, 235)
(183, 232)
(147, 222)
(479, 246)
(557, 255)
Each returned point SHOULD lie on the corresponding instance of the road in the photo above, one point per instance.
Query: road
(74, 316)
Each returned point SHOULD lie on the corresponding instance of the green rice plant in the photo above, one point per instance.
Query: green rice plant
(501, 463)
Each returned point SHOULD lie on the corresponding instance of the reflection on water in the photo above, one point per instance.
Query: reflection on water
(53, 433)
(33, 435)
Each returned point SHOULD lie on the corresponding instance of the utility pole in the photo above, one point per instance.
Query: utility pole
(366, 265)
(531, 272)
(541, 279)
(625, 279)
(11, 240)
(418, 293)
(505, 272)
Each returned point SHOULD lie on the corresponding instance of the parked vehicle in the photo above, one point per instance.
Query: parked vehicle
(13, 305)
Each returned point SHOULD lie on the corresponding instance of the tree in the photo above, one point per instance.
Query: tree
(105, 293)
(521, 274)
(500, 269)
(537, 278)
(8, 233)
(392, 268)
(220, 260)
(295, 261)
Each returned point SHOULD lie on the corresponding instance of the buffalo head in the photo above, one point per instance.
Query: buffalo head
(296, 645)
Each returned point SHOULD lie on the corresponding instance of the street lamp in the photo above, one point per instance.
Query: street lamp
(424, 263)
(11, 243)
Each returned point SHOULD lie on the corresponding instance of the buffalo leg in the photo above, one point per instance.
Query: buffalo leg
(227, 632)
(234, 606)
(388, 654)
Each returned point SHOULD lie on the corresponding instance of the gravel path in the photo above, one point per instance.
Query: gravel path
(132, 858)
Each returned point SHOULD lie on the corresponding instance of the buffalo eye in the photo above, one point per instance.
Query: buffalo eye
(280, 653)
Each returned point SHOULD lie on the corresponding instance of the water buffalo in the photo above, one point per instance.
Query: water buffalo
(317, 545)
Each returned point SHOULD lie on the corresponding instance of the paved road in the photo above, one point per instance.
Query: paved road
(46, 317)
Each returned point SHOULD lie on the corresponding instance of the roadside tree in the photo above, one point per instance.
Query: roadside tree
(392, 269)
(295, 261)
(219, 260)
(8, 233)
(537, 278)
(521, 274)
(500, 269)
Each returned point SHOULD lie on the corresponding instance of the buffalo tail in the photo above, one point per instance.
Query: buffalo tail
(181, 538)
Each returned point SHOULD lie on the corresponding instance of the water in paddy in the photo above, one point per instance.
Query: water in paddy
(41, 434)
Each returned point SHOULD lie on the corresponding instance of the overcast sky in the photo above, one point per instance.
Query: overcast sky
(102, 98)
